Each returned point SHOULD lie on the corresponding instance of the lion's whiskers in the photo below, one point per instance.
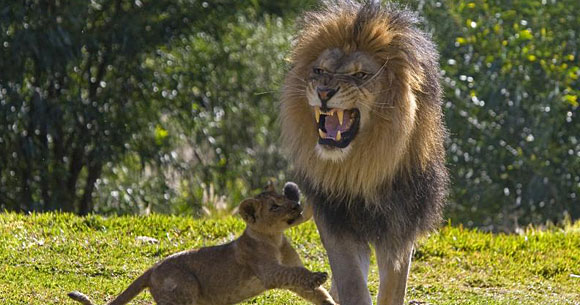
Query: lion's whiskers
(296, 76)
(371, 107)
(376, 73)
(377, 113)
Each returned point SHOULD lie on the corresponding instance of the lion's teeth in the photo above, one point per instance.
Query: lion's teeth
(338, 136)
(321, 133)
(317, 114)
(340, 116)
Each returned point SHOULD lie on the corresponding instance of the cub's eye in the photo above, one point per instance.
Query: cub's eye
(317, 71)
(361, 75)
(274, 207)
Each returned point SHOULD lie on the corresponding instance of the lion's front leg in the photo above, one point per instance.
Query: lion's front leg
(349, 261)
(393, 276)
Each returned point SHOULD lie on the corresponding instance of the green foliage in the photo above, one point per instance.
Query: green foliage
(80, 102)
(72, 94)
(511, 72)
(217, 96)
(47, 255)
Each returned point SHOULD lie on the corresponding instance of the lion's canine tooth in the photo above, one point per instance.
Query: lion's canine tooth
(317, 114)
(321, 133)
(338, 136)
(340, 116)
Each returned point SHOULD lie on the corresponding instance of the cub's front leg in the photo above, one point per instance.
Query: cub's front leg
(278, 276)
(319, 295)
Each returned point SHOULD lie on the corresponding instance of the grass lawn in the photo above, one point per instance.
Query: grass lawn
(44, 256)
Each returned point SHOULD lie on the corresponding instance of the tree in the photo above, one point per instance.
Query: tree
(76, 94)
(72, 93)
(511, 74)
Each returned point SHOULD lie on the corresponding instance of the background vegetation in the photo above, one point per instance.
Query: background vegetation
(117, 106)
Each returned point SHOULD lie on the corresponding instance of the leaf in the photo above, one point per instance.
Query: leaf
(160, 135)
(460, 40)
(572, 99)
(526, 34)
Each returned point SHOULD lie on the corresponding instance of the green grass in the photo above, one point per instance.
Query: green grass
(44, 256)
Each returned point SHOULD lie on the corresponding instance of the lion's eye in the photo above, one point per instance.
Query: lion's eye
(317, 71)
(274, 207)
(361, 75)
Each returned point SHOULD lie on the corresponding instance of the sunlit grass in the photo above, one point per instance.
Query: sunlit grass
(47, 255)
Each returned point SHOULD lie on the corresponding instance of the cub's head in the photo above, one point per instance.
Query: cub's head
(273, 212)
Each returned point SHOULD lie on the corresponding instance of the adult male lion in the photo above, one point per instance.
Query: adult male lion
(362, 125)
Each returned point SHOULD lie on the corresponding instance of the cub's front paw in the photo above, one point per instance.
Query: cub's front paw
(317, 279)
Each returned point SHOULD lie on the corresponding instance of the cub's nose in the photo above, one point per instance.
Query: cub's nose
(325, 94)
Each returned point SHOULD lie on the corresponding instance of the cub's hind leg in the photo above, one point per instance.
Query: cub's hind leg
(174, 286)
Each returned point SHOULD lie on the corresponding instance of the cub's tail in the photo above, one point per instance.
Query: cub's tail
(79, 297)
(132, 291)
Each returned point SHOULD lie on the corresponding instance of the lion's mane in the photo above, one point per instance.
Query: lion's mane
(392, 183)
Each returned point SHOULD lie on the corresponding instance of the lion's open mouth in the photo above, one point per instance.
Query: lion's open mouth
(337, 127)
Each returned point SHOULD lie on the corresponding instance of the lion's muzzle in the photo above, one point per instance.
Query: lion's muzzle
(337, 127)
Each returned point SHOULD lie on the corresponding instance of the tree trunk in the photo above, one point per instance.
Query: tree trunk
(87, 200)
(75, 167)
(44, 160)
(26, 201)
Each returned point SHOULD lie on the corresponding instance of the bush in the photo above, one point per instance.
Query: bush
(511, 75)
(218, 132)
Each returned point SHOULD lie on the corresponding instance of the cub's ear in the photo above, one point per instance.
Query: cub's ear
(270, 186)
(247, 210)
(291, 191)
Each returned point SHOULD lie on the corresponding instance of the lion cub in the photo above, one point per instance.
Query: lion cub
(260, 259)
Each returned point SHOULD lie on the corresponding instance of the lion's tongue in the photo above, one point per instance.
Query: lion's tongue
(332, 125)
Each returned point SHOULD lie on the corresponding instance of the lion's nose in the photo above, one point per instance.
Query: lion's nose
(324, 94)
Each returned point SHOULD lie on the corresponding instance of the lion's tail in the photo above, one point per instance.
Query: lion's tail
(132, 291)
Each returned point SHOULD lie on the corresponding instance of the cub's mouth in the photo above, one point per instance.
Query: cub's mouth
(294, 218)
(337, 127)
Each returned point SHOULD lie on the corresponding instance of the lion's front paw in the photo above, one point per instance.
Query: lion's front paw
(317, 279)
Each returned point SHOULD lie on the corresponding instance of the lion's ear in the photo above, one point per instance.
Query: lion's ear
(248, 210)
(291, 191)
